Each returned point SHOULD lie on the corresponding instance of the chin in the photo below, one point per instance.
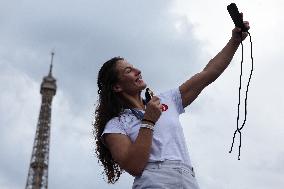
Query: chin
(144, 86)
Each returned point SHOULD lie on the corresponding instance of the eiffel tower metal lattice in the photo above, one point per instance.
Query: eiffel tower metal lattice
(38, 170)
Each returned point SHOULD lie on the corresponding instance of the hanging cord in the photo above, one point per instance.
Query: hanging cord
(240, 86)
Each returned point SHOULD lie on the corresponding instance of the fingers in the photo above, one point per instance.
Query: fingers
(153, 110)
(238, 30)
(161, 107)
(237, 33)
(156, 101)
(246, 23)
(154, 98)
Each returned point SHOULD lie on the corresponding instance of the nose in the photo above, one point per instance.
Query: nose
(137, 71)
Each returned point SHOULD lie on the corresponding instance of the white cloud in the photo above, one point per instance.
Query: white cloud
(19, 107)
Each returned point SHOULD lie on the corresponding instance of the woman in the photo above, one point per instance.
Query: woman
(146, 140)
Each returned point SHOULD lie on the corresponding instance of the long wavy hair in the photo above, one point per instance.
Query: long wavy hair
(109, 106)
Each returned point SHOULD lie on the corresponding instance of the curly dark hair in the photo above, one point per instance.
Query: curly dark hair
(109, 106)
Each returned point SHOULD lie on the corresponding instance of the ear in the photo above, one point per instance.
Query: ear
(116, 88)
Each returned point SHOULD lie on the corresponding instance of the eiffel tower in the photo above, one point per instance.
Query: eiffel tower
(38, 170)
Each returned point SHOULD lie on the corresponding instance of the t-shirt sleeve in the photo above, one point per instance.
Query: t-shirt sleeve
(178, 101)
(113, 126)
(175, 96)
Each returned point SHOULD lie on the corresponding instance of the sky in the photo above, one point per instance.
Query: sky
(169, 41)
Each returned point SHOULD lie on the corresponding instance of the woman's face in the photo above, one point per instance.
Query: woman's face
(130, 79)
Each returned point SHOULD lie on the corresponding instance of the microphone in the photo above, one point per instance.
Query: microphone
(236, 16)
(148, 95)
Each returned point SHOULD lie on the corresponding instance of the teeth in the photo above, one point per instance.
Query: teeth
(139, 78)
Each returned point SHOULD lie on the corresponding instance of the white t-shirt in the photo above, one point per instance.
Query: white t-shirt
(168, 138)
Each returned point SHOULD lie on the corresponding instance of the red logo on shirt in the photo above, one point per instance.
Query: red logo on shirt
(164, 107)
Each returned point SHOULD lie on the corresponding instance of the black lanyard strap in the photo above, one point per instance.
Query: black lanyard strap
(137, 114)
(239, 128)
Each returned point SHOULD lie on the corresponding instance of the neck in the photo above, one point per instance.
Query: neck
(133, 101)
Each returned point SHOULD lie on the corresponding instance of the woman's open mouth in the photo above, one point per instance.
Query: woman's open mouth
(139, 79)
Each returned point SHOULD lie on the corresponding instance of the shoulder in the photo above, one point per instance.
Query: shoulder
(173, 96)
(171, 93)
(121, 122)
